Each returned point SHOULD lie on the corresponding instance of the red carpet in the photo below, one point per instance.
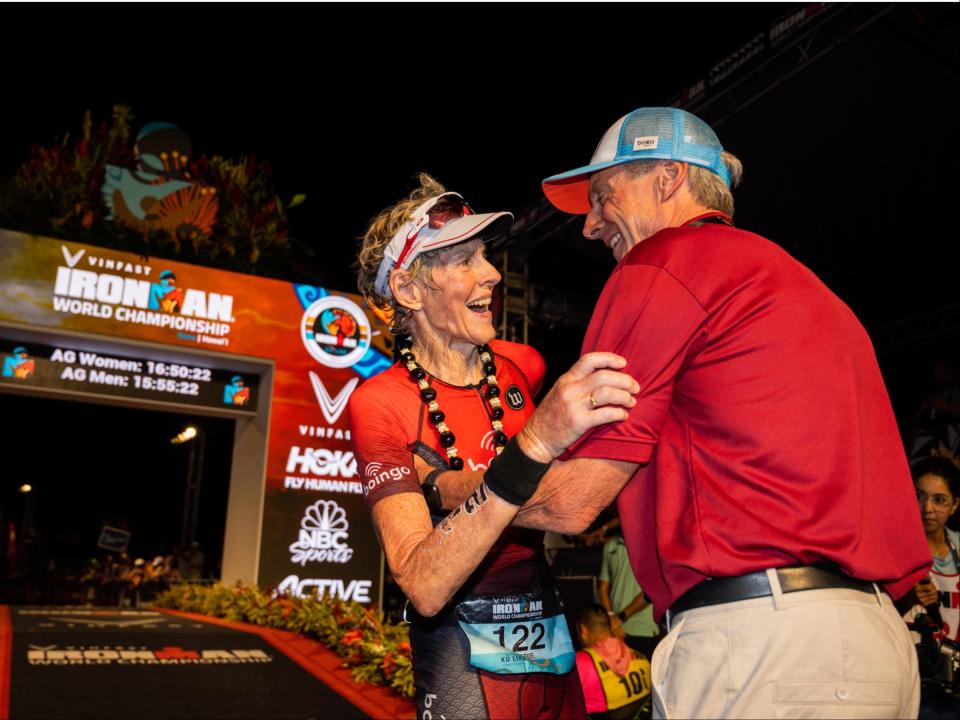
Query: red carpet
(376, 701)
(89, 663)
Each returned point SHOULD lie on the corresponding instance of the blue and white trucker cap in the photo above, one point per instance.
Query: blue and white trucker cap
(646, 133)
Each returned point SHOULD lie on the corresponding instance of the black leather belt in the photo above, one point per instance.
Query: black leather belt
(756, 584)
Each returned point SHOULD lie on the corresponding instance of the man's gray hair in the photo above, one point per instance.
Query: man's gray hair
(706, 187)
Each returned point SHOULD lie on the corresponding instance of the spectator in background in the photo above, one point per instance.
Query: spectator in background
(192, 562)
(620, 595)
(937, 481)
(134, 582)
(171, 574)
(615, 679)
(937, 423)
(119, 578)
(600, 529)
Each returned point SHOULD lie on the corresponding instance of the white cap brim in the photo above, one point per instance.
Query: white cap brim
(462, 229)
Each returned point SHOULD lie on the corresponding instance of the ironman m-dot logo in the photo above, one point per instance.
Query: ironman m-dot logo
(335, 332)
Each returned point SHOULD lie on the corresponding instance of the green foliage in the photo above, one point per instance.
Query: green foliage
(376, 651)
(58, 191)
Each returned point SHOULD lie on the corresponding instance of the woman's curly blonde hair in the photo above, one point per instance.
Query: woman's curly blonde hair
(375, 240)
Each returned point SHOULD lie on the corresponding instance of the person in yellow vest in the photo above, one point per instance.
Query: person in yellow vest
(615, 679)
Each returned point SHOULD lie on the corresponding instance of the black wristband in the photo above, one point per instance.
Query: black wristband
(513, 476)
(431, 493)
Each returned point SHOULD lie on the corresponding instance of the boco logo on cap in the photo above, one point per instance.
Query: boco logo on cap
(515, 399)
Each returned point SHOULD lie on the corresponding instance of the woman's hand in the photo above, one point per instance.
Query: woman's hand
(589, 394)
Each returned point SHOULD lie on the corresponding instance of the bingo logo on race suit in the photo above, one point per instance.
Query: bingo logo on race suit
(375, 474)
(323, 535)
(335, 332)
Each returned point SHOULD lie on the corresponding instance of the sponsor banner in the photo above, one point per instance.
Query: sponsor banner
(142, 655)
(326, 553)
(113, 539)
(106, 372)
(322, 345)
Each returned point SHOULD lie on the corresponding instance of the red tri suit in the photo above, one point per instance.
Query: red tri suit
(389, 426)
(763, 427)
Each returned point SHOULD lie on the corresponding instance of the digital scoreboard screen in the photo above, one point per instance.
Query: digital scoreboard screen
(62, 367)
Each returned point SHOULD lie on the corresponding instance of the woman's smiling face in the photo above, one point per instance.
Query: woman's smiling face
(457, 295)
(936, 502)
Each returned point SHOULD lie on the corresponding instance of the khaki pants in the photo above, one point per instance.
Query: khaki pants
(813, 654)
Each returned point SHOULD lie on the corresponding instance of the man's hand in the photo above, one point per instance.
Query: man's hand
(927, 592)
(589, 394)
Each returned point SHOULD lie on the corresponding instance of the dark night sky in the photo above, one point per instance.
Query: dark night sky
(349, 113)
(851, 164)
(853, 154)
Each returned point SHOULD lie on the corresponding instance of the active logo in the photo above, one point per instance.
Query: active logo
(332, 407)
(335, 332)
(358, 590)
(323, 535)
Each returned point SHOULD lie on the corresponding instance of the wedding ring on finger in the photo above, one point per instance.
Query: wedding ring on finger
(593, 402)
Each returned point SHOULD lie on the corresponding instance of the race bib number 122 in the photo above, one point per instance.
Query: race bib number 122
(522, 633)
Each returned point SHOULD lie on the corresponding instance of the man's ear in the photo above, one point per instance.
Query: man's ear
(673, 175)
(406, 292)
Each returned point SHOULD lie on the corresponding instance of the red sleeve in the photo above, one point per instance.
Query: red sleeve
(384, 461)
(650, 318)
(527, 360)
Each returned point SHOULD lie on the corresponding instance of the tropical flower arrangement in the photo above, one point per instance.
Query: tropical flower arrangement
(376, 651)
(59, 191)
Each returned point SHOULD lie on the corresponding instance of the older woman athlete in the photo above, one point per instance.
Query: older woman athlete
(487, 628)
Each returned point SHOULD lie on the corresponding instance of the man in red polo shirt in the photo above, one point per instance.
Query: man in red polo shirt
(766, 502)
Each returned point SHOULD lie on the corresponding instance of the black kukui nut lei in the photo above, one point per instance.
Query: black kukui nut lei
(436, 415)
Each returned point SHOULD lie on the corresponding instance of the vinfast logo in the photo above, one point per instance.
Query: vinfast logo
(322, 462)
(162, 302)
(332, 407)
(323, 535)
(375, 474)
